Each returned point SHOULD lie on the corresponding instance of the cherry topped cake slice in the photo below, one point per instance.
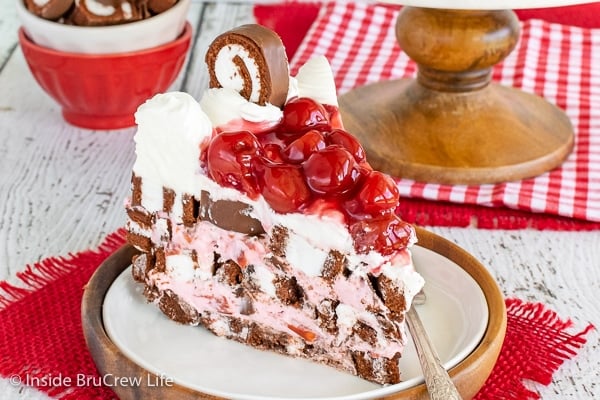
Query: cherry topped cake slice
(259, 217)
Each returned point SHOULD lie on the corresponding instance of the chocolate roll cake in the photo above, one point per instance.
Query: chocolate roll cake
(251, 60)
(97, 12)
(50, 9)
(106, 12)
(266, 224)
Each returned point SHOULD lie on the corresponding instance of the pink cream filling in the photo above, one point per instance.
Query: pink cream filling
(198, 288)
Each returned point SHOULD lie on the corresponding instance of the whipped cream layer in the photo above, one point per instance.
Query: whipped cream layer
(171, 129)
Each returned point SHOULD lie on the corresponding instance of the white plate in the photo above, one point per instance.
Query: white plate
(455, 316)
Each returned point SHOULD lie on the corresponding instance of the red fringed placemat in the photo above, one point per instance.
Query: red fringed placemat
(42, 343)
(552, 60)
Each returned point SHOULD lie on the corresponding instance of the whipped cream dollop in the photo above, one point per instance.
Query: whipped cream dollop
(224, 105)
(315, 80)
(171, 129)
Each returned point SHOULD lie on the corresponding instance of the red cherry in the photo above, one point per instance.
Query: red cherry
(378, 194)
(385, 234)
(282, 185)
(335, 117)
(229, 157)
(273, 152)
(331, 171)
(347, 141)
(300, 149)
(302, 113)
(270, 137)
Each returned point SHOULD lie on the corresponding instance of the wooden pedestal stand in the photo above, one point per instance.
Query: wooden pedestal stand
(452, 125)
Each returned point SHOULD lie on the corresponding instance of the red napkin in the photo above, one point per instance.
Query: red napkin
(553, 60)
(41, 338)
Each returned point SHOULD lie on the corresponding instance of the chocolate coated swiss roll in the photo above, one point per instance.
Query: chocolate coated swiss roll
(250, 59)
(51, 9)
(229, 215)
(158, 6)
(107, 12)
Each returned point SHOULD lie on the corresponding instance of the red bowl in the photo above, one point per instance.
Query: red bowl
(103, 91)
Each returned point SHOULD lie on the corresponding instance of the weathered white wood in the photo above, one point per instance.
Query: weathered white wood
(62, 190)
(8, 29)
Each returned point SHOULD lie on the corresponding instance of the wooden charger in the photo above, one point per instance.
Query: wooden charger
(469, 375)
(452, 124)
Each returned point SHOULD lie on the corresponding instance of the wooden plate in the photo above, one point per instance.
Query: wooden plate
(469, 374)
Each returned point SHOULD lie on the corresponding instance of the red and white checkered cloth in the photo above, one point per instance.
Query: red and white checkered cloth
(558, 62)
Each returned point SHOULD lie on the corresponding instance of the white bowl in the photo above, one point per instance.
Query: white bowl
(132, 36)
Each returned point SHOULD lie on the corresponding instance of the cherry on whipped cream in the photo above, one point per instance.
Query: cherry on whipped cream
(229, 161)
(331, 171)
(302, 113)
(304, 161)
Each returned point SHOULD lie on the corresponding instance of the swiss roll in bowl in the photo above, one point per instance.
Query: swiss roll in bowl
(100, 74)
(123, 37)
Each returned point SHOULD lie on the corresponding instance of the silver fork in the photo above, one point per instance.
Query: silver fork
(439, 384)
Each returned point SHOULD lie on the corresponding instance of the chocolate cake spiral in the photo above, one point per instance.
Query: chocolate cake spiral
(250, 59)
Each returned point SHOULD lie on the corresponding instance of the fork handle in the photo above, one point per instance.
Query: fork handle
(438, 382)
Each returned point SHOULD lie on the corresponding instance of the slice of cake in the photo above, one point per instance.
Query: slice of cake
(259, 217)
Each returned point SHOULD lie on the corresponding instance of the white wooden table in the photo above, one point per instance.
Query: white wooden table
(62, 190)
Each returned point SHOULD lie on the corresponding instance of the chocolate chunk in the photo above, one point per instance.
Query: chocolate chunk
(267, 339)
(168, 199)
(136, 190)
(140, 217)
(279, 237)
(392, 296)
(335, 264)
(229, 215)
(228, 272)
(264, 49)
(288, 291)
(161, 260)
(365, 332)
(326, 316)
(140, 264)
(140, 242)
(390, 329)
(177, 309)
(382, 370)
(191, 210)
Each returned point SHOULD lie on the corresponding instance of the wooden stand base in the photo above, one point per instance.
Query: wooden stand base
(496, 134)
(451, 124)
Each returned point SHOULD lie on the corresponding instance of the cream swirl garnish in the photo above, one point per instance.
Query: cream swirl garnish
(98, 8)
(315, 80)
(236, 69)
(225, 105)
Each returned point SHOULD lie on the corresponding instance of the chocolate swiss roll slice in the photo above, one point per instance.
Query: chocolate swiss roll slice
(251, 60)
